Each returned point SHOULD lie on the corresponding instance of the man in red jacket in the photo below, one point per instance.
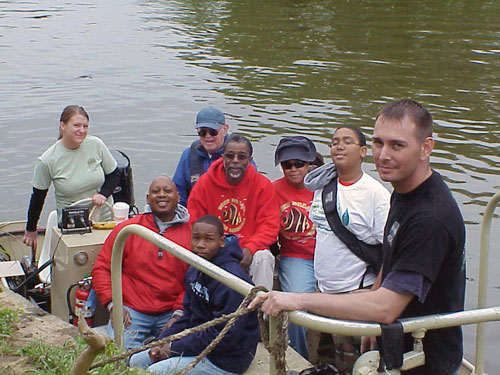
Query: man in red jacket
(152, 279)
(245, 202)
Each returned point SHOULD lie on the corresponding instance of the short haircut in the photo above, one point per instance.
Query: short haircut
(212, 220)
(402, 108)
(162, 176)
(236, 138)
(359, 134)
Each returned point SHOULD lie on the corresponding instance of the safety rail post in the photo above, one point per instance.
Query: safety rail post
(484, 249)
(116, 286)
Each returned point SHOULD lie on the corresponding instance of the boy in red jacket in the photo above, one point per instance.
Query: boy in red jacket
(245, 202)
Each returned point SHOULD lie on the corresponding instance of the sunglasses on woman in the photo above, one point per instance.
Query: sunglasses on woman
(289, 164)
(203, 132)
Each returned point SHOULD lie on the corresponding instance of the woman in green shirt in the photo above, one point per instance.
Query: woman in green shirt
(79, 165)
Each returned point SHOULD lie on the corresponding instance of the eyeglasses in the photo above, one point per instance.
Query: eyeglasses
(289, 164)
(346, 142)
(203, 132)
(232, 156)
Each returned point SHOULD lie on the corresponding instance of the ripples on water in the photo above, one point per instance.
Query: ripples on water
(306, 68)
(143, 69)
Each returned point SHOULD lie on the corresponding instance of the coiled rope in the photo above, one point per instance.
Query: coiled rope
(277, 349)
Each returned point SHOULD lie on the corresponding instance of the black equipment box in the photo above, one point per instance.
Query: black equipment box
(75, 220)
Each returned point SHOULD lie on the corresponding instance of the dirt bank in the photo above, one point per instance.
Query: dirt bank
(33, 324)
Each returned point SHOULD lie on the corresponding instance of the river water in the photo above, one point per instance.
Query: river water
(142, 69)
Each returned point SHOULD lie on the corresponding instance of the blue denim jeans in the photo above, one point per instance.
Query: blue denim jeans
(173, 365)
(297, 275)
(141, 327)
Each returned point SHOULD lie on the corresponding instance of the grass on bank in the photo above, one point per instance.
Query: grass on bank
(45, 359)
(8, 319)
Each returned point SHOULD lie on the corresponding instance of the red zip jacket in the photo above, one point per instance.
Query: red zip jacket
(149, 284)
(249, 210)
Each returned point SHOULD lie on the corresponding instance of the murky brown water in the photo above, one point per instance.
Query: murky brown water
(143, 69)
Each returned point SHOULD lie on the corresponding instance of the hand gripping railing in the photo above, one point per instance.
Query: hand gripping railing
(318, 323)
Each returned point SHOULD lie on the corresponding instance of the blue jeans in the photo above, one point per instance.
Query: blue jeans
(171, 366)
(297, 275)
(141, 327)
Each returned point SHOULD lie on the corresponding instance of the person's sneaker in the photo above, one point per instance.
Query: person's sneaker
(320, 370)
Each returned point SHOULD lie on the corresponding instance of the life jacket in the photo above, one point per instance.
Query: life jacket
(195, 164)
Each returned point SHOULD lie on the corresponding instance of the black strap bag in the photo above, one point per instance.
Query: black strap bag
(371, 254)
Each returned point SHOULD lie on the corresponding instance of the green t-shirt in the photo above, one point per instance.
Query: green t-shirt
(76, 174)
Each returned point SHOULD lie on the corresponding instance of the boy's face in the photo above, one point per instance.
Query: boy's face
(206, 240)
(345, 150)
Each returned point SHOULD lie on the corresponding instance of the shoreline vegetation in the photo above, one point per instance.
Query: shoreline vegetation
(35, 342)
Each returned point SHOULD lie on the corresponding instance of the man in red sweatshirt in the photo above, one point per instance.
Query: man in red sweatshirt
(152, 279)
(245, 202)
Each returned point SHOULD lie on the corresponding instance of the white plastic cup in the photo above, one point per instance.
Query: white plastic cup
(120, 209)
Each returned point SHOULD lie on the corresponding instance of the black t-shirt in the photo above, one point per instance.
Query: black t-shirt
(425, 233)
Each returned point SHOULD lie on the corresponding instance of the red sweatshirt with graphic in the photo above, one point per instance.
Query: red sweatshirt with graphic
(151, 283)
(297, 236)
(249, 210)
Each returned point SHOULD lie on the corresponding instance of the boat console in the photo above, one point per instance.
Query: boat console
(74, 256)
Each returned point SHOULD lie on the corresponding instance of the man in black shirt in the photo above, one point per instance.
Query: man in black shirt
(424, 264)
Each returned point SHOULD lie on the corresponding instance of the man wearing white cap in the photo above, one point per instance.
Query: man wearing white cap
(195, 160)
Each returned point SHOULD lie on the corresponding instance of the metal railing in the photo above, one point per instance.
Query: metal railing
(484, 252)
(342, 327)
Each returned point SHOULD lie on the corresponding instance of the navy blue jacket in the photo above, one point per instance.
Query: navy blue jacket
(207, 299)
(182, 174)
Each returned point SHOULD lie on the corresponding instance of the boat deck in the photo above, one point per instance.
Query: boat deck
(260, 364)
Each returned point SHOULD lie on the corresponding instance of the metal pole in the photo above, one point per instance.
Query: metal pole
(116, 286)
(484, 249)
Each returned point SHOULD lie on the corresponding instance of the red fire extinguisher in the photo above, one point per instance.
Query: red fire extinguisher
(85, 301)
